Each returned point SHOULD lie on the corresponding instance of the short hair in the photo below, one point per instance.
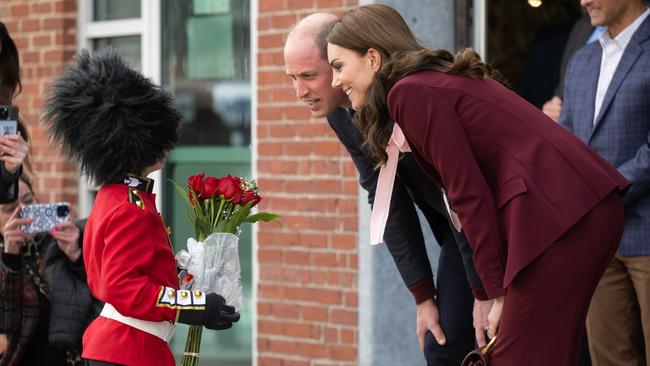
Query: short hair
(321, 37)
(109, 118)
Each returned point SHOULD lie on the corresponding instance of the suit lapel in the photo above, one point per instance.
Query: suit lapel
(630, 56)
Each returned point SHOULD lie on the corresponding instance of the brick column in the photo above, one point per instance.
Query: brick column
(307, 303)
(44, 32)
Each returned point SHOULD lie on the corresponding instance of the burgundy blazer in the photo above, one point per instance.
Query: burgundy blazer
(517, 180)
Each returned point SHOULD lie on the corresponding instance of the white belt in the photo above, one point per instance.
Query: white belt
(163, 330)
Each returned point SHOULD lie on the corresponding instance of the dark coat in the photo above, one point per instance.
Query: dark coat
(72, 305)
(40, 279)
(403, 235)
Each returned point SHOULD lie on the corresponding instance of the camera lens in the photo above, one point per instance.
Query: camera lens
(4, 113)
(62, 210)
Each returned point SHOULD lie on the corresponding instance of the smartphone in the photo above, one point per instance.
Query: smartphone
(45, 216)
(8, 120)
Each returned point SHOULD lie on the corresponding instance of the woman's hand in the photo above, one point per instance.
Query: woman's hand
(480, 313)
(495, 317)
(14, 237)
(67, 238)
(14, 151)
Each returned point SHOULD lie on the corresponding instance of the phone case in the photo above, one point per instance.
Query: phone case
(45, 216)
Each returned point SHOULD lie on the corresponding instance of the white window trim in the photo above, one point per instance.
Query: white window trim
(255, 268)
(148, 28)
(480, 28)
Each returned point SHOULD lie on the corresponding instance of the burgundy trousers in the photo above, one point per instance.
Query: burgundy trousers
(544, 312)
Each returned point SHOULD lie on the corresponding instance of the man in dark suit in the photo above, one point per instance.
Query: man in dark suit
(607, 105)
(444, 317)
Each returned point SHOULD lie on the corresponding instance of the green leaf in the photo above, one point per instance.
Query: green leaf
(236, 218)
(190, 216)
(182, 191)
(202, 229)
(220, 228)
(261, 216)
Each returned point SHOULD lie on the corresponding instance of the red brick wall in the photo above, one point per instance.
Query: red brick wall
(307, 303)
(44, 31)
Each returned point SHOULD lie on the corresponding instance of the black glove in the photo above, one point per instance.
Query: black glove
(215, 315)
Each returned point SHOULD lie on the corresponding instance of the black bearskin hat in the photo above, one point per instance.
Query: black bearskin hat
(110, 118)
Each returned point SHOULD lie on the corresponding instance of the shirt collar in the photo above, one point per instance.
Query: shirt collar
(140, 183)
(623, 38)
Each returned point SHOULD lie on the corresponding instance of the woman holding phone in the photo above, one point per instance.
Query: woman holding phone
(13, 147)
(542, 211)
(45, 303)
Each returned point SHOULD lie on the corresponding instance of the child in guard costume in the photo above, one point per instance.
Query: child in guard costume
(120, 127)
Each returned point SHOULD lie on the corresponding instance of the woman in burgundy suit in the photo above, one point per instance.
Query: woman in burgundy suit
(541, 210)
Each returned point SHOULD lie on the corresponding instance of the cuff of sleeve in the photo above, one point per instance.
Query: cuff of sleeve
(6, 177)
(493, 293)
(479, 293)
(79, 262)
(423, 290)
(12, 261)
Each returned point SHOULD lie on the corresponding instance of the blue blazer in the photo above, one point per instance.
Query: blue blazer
(621, 133)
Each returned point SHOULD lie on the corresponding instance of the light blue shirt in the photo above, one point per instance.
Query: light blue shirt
(598, 31)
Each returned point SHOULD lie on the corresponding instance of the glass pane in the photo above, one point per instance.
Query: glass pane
(127, 46)
(232, 347)
(205, 63)
(115, 9)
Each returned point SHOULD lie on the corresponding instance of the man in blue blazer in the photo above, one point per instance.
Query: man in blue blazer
(607, 105)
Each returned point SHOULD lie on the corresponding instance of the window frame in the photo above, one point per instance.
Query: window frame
(148, 28)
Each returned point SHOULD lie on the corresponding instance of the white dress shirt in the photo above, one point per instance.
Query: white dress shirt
(613, 49)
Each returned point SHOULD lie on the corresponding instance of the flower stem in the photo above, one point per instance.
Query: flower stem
(192, 346)
(216, 218)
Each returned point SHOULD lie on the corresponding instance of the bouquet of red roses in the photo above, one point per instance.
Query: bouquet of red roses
(211, 262)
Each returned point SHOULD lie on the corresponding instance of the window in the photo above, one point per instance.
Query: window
(115, 9)
(132, 27)
(205, 63)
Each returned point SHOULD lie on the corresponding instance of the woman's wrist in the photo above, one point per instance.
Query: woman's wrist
(11, 249)
(74, 254)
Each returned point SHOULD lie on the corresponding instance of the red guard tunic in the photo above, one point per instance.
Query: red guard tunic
(129, 262)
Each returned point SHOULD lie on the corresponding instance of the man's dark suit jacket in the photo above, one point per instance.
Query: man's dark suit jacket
(517, 180)
(403, 235)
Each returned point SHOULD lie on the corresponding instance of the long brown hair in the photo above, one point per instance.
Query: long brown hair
(382, 28)
(10, 84)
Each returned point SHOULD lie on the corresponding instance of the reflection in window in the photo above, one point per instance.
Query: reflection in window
(127, 46)
(205, 63)
(115, 9)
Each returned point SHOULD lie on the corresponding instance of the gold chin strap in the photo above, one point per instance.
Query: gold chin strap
(486, 349)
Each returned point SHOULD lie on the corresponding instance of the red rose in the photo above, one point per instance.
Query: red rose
(195, 183)
(230, 188)
(211, 187)
(249, 196)
(257, 199)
